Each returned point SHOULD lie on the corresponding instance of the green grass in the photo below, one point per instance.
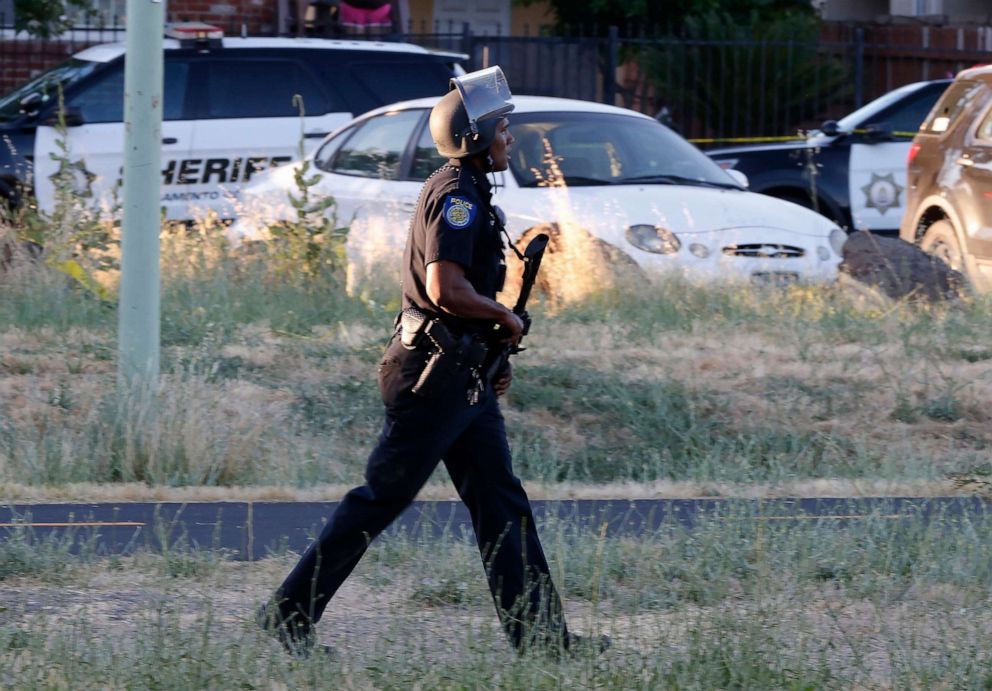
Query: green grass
(737, 602)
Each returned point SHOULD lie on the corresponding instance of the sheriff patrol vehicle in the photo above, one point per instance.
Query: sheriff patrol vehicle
(228, 112)
(854, 168)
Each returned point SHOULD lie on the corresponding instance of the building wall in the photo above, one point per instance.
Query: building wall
(973, 11)
(531, 20)
(854, 10)
(953, 11)
(255, 17)
(421, 15)
(24, 60)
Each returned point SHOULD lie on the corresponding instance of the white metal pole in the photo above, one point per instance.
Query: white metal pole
(139, 302)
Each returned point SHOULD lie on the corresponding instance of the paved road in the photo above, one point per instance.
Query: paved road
(251, 530)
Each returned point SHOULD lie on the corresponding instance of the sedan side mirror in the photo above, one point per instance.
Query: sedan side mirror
(739, 177)
(830, 128)
(878, 132)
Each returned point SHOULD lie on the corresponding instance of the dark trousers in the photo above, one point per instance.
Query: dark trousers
(471, 440)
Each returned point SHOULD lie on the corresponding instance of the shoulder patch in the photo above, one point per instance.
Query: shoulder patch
(459, 212)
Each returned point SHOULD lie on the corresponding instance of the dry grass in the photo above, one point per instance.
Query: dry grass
(657, 389)
(730, 605)
(443, 491)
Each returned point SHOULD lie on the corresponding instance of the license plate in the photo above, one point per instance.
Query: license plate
(774, 278)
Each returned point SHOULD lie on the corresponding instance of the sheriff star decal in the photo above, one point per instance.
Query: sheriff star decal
(882, 193)
(459, 212)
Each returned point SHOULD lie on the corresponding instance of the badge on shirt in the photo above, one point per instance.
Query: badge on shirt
(459, 212)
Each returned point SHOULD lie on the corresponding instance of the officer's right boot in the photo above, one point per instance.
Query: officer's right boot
(295, 632)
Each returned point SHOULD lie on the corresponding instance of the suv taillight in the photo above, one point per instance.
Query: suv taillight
(913, 150)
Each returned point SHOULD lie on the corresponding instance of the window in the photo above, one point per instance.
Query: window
(376, 149)
(389, 82)
(46, 86)
(985, 129)
(261, 88)
(322, 159)
(905, 118)
(426, 159)
(950, 106)
(604, 149)
(103, 99)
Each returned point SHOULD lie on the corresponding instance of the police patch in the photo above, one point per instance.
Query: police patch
(459, 212)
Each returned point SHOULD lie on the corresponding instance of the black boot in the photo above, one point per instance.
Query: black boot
(295, 632)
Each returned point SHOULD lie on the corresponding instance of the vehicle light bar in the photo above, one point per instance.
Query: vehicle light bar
(195, 34)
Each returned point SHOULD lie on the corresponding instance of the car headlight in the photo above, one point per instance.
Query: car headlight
(837, 239)
(655, 239)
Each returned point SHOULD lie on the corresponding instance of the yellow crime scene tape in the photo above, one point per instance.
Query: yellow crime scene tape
(784, 138)
(76, 272)
(71, 524)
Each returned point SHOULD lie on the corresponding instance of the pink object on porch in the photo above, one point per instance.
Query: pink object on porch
(358, 16)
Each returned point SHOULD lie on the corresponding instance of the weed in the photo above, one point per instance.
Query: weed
(311, 243)
(48, 559)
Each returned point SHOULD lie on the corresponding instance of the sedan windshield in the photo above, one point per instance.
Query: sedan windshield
(588, 149)
(46, 86)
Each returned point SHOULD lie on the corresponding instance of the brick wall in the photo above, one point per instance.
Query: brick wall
(258, 17)
(899, 54)
(915, 36)
(22, 60)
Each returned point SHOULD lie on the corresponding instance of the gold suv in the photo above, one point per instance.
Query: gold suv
(949, 203)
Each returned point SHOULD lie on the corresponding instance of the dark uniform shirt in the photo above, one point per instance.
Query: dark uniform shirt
(454, 221)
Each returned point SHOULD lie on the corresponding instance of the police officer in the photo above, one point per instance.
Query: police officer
(439, 405)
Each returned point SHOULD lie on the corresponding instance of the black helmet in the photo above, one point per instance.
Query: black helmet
(463, 122)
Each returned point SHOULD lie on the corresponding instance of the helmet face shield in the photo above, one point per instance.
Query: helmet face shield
(486, 95)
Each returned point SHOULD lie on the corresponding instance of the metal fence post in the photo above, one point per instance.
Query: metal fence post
(467, 43)
(859, 67)
(139, 300)
(612, 62)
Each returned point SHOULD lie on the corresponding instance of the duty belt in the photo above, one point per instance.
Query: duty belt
(449, 354)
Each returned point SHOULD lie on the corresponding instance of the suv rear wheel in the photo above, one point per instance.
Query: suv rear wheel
(940, 241)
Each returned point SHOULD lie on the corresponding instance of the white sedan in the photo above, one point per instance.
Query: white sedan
(626, 189)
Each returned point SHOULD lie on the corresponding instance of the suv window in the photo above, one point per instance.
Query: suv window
(376, 148)
(985, 129)
(367, 80)
(950, 106)
(401, 81)
(426, 159)
(47, 86)
(261, 88)
(906, 117)
(102, 100)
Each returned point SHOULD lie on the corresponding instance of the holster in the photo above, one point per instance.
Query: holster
(412, 324)
(450, 354)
